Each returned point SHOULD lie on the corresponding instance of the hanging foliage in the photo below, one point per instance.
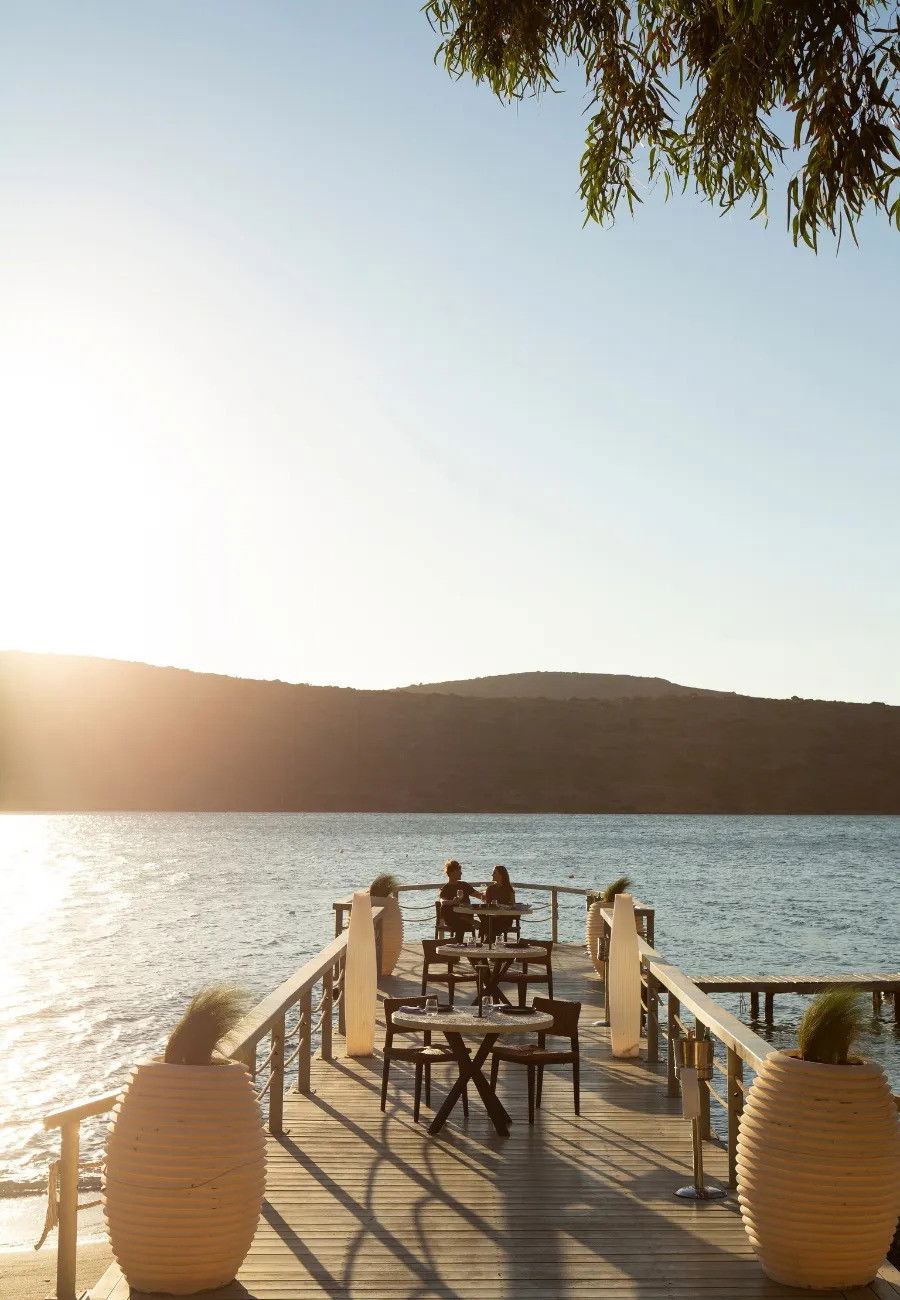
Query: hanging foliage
(709, 96)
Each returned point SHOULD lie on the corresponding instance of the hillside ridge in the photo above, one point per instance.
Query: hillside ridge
(560, 686)
(81, 734)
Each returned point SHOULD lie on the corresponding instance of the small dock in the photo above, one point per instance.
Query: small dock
(882, 988)
(365, 1204)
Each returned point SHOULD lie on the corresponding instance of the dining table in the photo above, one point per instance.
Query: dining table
(457, 1026)
(486, 911)
(495, 959)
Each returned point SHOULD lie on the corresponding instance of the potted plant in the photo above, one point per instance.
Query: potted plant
(818, 1156)
(597, 899)
(185, 1166)
(384, 894)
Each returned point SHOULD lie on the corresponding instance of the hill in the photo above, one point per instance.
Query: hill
(560, 686)
(87, 734)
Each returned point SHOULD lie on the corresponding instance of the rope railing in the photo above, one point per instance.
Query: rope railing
(304, 1042)
(300, 1024)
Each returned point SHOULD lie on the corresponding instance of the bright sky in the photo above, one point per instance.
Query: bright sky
(309, 370)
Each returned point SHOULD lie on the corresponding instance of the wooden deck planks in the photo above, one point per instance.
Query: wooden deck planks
(365, 1204)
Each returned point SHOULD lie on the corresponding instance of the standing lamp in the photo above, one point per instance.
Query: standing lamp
(360, 978)
(624, 980)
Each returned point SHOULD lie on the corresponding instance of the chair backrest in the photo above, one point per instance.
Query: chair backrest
(565, 1016)
(429, 950)
(394, 1004)
(546, 944)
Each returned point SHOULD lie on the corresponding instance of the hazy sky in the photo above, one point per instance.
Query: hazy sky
(308, 369)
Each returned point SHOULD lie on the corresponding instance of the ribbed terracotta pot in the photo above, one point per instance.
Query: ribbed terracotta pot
(593, 930)
(818, 1165)
(391, 932)
(184, 1176)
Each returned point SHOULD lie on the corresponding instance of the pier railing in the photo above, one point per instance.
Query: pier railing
(739, 1044)
(287, 1022)
(546, 912)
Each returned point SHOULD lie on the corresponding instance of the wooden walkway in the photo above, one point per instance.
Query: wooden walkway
(365, 1204)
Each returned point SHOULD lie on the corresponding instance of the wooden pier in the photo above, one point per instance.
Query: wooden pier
(881, 987)
(366, 1204)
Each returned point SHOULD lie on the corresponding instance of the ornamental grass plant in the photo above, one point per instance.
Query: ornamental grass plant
(608, 895)
(832, 1023)
(212, 1014)
(384, 885)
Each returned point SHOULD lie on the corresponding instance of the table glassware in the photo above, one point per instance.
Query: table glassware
(431, 1005)
(487, 1005)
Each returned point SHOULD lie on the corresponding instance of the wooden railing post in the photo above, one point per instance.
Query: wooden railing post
(276, 1087)
(342, 1018)
(652, 1018)
(327, 1012)
(303, 1063)
(673, 1008)
(378, 947)
(554, 915)
(705, 1123)
(735, 1096)
(67, 1242)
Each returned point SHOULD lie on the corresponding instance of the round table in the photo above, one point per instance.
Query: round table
(499, 960)
(456, 1026)
(484, 911)
(491, 909)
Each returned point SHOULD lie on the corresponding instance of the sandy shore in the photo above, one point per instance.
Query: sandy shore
(31, 1274)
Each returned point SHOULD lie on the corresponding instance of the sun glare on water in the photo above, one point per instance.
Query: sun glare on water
(34, 889)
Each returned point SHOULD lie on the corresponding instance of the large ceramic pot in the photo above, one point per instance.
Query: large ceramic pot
(391, 932)
(593, 933)
(184, 1176)
(818, 1165)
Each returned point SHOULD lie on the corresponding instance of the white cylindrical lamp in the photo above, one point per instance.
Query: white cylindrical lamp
(360, 978)
(624, 976)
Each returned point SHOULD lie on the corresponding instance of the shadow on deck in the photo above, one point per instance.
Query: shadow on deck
(361, 1203)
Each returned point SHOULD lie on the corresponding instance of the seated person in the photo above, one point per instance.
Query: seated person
(454, 892)
(498, 891)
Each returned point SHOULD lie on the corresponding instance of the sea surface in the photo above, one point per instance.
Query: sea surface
(109, 923)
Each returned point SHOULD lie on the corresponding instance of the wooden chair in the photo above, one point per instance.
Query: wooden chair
(492, 927)
(448, 973)
(422, 1057)
(565, 1025)
(441, 930)
(537, 970)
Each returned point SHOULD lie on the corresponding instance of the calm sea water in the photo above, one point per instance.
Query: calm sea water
(109, 923)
